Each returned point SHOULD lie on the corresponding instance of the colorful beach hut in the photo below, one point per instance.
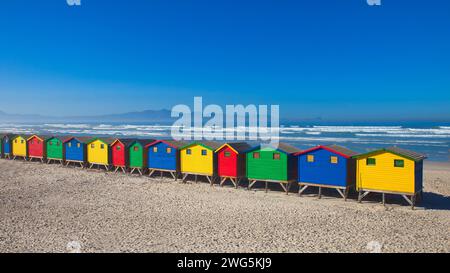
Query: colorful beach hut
(198, 159)
(326, 167)
(6, 144)
(54, 149)
(98, 152)
(119, 154)
(272, 164)
(36, 147)
(19, 147)
(231, 162)
(138, 155)
(75, 150)
(163, 156)
(390, 171)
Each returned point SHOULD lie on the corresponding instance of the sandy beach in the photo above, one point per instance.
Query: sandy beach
(44, 207)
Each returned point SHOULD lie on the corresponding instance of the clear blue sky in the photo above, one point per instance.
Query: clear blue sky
(327, 58)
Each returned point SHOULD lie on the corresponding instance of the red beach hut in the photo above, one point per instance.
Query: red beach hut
(119, 154)
(36, 147)
(231, 162)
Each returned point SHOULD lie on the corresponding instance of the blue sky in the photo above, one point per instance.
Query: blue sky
(327, 58)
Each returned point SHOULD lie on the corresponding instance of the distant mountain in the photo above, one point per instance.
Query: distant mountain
(143, 116)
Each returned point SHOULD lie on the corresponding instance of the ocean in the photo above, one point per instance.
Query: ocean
(431, 139)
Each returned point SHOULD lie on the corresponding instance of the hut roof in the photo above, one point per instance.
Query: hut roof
(282, 147)
(173, 143)
(397, 151)
(42, 137)
(238, 147)
(347, 153)
(211, 145)
(125, 141)
(107, 140)
(82, 139)
(143, 142)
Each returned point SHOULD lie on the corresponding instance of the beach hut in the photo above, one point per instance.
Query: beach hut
(54, 149)
(1, 144)
(36, 147)
(199, 159)
(326, 167)
(119, 154)
(19, 147)
(231, 162)
(390, 171)
(272, 164)
(98, 152)
(75, 150)
(163, 156)
(6, 143)
(138, 155)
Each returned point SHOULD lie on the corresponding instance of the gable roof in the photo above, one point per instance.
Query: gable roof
(41, 137)
(83, 139)
(143, 142)
(342, 151)
(173, 143)
(10, 136)
(211, 145)
(237, 147)
(106, 140)
(282, 147)
(57, 137)
(397, 151)
(26, 136)
(124, 141)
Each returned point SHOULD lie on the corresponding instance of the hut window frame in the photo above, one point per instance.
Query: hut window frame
(256, 155)
(334, 159)
(58, 144)
(168, 150)
(155, 149)
(370, 161)
(102, 146)
(69, 144)
(78, 145)
(310, 158)
(276, 156)
(188, 151)
(50, 143)
(204, 152)
(136, 148)
(399, 163)
(227, 154)
(118, 148)
(92, 146)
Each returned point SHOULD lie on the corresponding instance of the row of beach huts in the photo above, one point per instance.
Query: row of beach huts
(387, 171)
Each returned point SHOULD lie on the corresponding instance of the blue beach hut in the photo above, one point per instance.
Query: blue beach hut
(6, 145)
(327, 167)
(75, 150)
(164, 156)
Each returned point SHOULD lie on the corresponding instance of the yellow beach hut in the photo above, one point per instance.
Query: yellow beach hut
(19, 147)
(198, 159)
(98, 152)
(390, 171)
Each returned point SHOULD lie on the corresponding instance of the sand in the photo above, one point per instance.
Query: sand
(50, 208)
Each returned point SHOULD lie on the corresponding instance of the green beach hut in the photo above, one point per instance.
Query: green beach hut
(137, 155)
(272, 164)
(55, 152)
